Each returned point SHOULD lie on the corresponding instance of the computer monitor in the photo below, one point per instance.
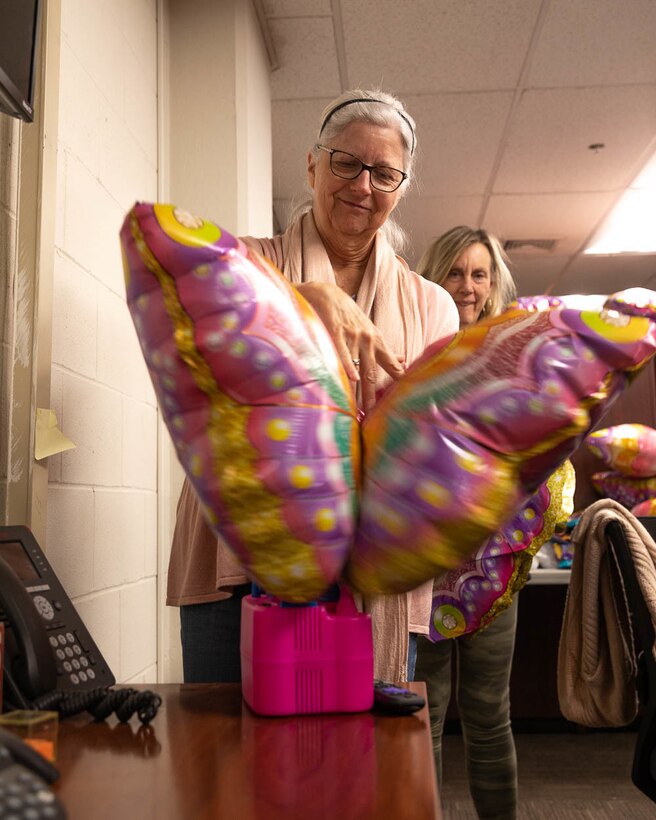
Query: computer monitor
(19, 30)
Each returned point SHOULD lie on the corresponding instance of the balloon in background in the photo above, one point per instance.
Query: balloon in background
(253, 394)
(457, 446)
(645, 509)
(626, 448)
(626, 490)
(469, 597)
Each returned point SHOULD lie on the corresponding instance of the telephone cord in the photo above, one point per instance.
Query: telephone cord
(101, 703)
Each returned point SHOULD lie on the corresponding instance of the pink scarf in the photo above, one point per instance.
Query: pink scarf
(388, 295)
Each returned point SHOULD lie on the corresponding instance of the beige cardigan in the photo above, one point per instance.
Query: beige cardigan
(410, 312)
(596, 658)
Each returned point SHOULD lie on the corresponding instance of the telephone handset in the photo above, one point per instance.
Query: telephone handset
(33, 670)
(24, 779)
(47, 646)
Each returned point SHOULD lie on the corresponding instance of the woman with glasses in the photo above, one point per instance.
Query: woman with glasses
(340, 251)
(472, 266)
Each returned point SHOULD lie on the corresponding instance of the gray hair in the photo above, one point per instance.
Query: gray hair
(378, 108)
(440, 256)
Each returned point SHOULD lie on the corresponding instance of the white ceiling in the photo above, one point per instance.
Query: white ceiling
(508, 96)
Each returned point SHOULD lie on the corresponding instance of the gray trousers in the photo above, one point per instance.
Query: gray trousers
(483, 663)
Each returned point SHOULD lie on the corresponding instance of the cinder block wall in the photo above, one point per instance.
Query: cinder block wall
(102, 498)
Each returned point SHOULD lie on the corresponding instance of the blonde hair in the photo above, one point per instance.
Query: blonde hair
(440, 256)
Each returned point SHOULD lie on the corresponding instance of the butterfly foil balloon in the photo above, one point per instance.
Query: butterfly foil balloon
(458, 445)
(253, 395)
(264, 423)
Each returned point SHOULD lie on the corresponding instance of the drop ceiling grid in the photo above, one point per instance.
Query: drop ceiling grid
(297, 8)
(548, 182)
(425, 47)
(547, 149)
(458, 138)
(307, 56)
(589, 43)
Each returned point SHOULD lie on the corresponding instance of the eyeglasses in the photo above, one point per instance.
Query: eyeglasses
(346, 166)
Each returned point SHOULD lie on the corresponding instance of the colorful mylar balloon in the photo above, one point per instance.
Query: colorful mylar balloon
(627, 448)
(456, 447)
(626, 490)
(469, 597)
(263, 420)
(645, 508)
(253, 394)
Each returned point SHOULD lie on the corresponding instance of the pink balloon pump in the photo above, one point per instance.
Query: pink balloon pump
(306, 658)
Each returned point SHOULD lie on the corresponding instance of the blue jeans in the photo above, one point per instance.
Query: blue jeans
(210, 636)
(412, 655)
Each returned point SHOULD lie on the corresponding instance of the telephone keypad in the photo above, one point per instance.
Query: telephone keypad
(73, 664)
(24, 796)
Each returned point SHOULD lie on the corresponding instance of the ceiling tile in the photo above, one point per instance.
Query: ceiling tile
(297, 8)
(592, 78)
(427, 45)
(547, 148)
(307, 58)
(596, 43)
(458, 137)
(569, 218)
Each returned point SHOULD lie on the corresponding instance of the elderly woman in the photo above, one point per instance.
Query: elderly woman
(472, 266)
(380, 315)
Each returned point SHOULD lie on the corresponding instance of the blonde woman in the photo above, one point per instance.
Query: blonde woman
(472, 266)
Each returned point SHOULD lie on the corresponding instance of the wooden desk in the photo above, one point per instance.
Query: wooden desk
(206, 755)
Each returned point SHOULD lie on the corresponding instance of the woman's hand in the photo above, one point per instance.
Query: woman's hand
(355, 337)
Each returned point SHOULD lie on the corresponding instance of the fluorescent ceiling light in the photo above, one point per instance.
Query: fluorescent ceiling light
(631, 226)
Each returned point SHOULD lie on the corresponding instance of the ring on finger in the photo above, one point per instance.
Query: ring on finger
(356, 362)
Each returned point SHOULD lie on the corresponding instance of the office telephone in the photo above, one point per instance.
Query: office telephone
(24, 779)
(47, 646)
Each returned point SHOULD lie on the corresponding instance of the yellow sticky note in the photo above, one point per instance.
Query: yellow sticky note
(49, 439)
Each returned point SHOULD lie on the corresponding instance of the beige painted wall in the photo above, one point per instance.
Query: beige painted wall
(216, 162)
(220, 115)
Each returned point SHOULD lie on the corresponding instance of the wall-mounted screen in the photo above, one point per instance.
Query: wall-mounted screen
(19, 28)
